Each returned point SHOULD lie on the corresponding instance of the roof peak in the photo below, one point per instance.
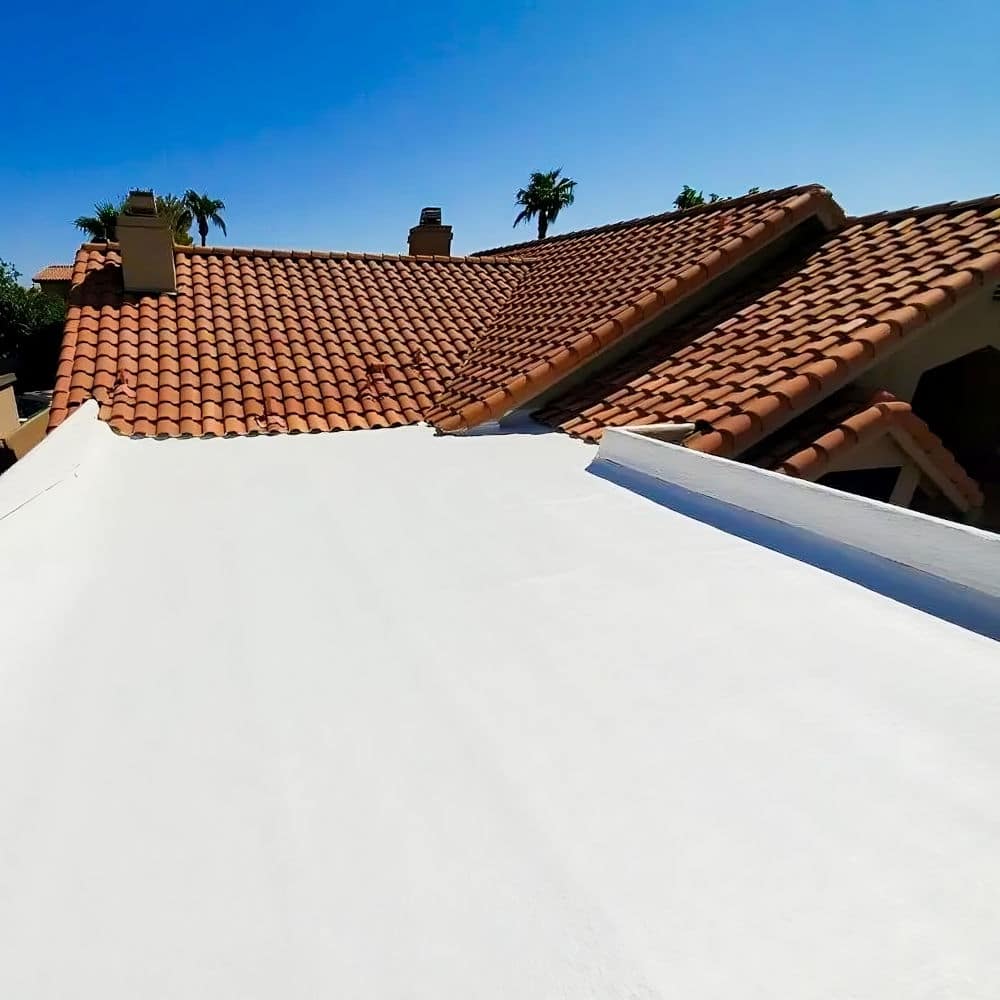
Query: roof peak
(726, 203)
(921, 211)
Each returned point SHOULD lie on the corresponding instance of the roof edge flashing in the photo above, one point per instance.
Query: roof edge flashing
(669, 433)
(958, 554)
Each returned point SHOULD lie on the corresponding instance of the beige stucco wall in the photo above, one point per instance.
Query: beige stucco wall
(8, 412)
(968, 327)
(55, 289)
(30, 433)
(882, 453)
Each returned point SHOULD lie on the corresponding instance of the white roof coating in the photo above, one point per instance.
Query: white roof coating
(384, 714)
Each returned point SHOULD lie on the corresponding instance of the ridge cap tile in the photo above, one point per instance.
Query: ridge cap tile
(706, 208)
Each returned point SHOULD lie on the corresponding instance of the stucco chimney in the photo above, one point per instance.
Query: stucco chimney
(147, 246)
(430, 237)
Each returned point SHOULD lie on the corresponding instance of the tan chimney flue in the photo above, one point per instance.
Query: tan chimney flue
(430, 238)
(147, 246)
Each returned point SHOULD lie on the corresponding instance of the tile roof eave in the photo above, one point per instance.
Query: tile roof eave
(788, 398)
(886, 415)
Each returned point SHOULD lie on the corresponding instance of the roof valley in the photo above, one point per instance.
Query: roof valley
(647, 268)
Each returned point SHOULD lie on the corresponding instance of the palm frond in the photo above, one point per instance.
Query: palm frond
(177, 216)
(102, 226)
(525, 215)
(90, 224)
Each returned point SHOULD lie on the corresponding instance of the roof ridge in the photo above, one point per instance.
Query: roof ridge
(739, 200)
(267, 253)
(924, 210)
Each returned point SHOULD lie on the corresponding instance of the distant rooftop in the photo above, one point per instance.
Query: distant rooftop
(55, 272)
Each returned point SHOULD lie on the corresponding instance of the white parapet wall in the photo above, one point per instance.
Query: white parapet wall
(396, 714)
(961, 555)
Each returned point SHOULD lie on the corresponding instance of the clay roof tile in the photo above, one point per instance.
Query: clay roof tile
(843, 423)
(233, 326)
(802, 326)
(332, 340)
(55, 272)
(588, 290)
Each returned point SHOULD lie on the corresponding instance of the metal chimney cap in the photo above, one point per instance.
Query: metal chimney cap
(430, 216)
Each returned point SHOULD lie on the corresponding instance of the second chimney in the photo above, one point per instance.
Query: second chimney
(146, 245)
(430, 238)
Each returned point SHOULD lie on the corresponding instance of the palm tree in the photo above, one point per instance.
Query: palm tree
(102, 226)
(177, 216)
(544, 197)
(205, 210)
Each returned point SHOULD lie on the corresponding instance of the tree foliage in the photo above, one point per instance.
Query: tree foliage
(545, 196)
(691, 197)
(23, 311)
(205, 211)
(178, 217)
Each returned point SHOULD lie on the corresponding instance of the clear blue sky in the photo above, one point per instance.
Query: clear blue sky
(328, 125)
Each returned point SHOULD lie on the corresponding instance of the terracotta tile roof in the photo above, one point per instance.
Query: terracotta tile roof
(55, 272)
(807, 446)
(587, 290)
(795, 331)
(258, 341)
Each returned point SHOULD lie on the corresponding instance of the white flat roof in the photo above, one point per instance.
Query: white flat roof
(384, 714)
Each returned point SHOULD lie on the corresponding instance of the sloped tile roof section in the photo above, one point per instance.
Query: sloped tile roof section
(55, 272)
(831, 431)
(798, 330)
(586, 291)
(260, 341)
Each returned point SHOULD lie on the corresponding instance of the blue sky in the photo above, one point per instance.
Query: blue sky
(328, 125)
